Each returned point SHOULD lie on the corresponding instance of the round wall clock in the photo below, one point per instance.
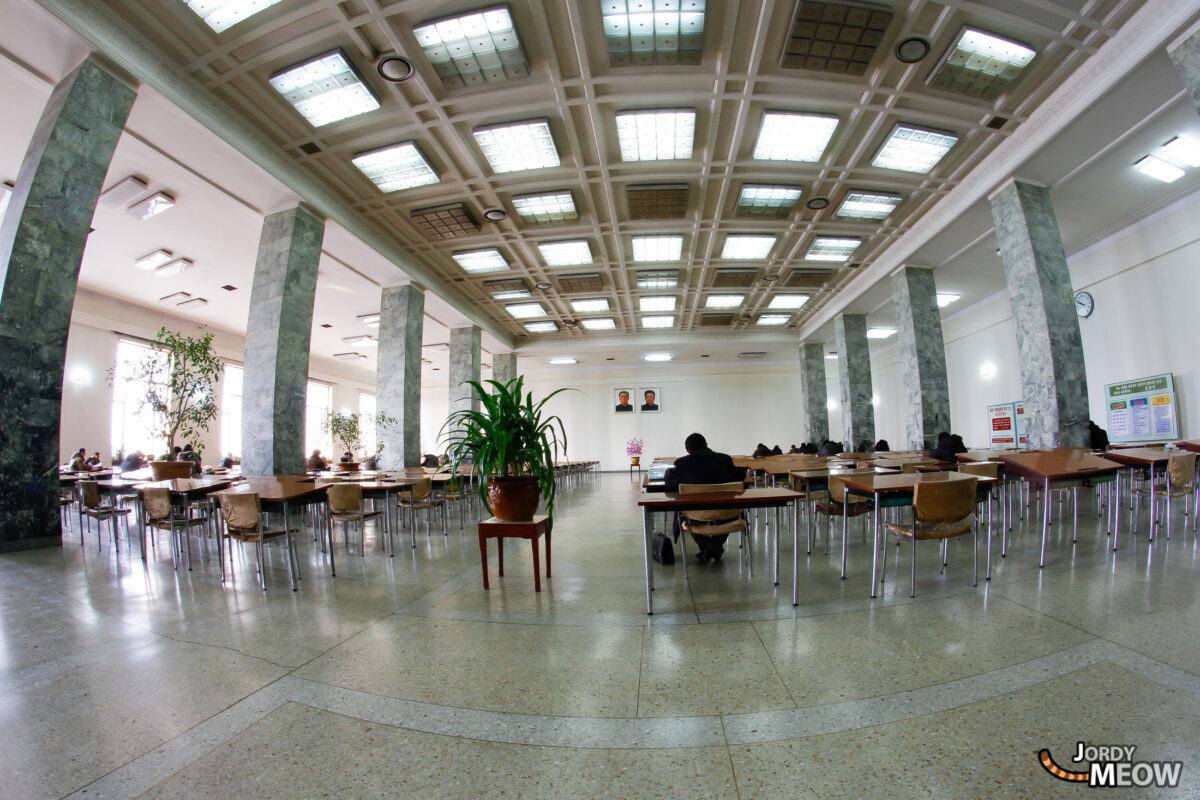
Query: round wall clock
(1084, 304)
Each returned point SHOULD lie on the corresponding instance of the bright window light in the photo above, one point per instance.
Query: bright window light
(910, 149)
(768, 197)
(868, 205)
(657, 357)
(526, 310)
(1157, 168)
(831, 249)
(474, 49)
(553, 207)
(541, 327)
(398, 167)
(946, 298)
(590, 306)
(1183, 150)
(880, 333)
(221, 15)
(665, 247)
(564, 360)
(787, 302)
(658, 279)
(747, 247)
(566, 254)
(522, 146)
(154, 260)
(665, 303)
(658, 322)
(477, 261)
(773, 319)
(637, 37)
(600, 324)
(325, 90)
(655, 135)
(793, 137)
(724, 300)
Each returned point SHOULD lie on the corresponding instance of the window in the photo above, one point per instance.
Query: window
(231, 411)
(366, 422)
(133, 424)
(318, 401)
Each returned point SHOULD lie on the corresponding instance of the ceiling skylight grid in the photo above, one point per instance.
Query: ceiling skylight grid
(220, 15)
(656, 135)
(478, 261)
(660, 247)
(657, 279)
(397, 167)
(325, 90)
(767, 201)
(981, 64)
(793, 137)
(868, 205)
(474, 49)
(828, 248)
(544, 208)
(518, 147)
(644, 33)
(912, 149)
(745, 246)
(566, 254)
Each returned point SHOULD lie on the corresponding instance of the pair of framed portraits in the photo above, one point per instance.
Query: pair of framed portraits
(645, 400)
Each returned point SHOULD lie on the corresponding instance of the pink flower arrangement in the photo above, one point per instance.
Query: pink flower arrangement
(634, 447)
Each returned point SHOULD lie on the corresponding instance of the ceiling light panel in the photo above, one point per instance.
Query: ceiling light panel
(663, 303)
(656, 135)
(834, 37)
(911, 149)
(154, 260)
(175, 298)
(518, 147)
(350, 356)
(773, 319)
(175, 267)
(724, 300)
(658, 322)
(747, 246)
(599, 324)
(566, 254)
(793, 137)
(980, 64)
(448, 221)
(474, 49)
(526, 310)
(544, 208)
(1159, 169)
(541, 327)
(193, 304)
(477, 261)
(325, 90)
(123, 191)
(220, 15)
(767, 201)
(827, 248)
(397, 167)
(644, 33)
(576, 284)
(564, 360)
(152, 206)
(1183, 150)
(662, 247)
(868, 205)
(788, 302)
(657, 357)
(370, 320)
(946, 298)
(590, 306)
(880, 333)
(658, 279)
(365, 340)
(507, 289)
(658, 201)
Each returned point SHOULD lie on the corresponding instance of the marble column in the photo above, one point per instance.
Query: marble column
(814, 395)
(398, 375)
(1185, 55)
(854, 353)
(922, 356)
(1050, 349)
(41, 248)
(504, 367)
(278, 332)
(464, 366)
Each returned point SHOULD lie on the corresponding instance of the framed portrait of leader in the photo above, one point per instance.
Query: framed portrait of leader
(623, 401)
(649, 400)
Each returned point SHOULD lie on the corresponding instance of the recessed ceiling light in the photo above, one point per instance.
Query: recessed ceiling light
(724, 300)
(655, 135)
(767, 201)
(221, 15)
(174, 299)
(479, 261)
(868, 205)
(590, 306)
(566, 254)
(526, 310)
(827, 248)
(880, 333)
(980, 64)
(817, 203)
(664, 303)
(1157, 168)
(831, 356)
(747, 246)
(400, 166)
(658, 279)
(349, 356)
(788, 301)
(394, 68)
(194, 303)
(912, 50)
(564, 360)
(658, 322)
(229, 287)
(945, 298)
(1183, 150)
(541, 327)
(174, 267)
(325, 90)
(153, 260)
(474, 49)
(542, 286)
(673, 34)
(657, 357)
(365, 340)
(910, 149)
(370, 320)
(663, 247)
(152, 206)
(123, 191)
(552, 207)
(771, 278)
(599, 324)
(495, 214)
(793, 137)
(517, 147)
(773, 319)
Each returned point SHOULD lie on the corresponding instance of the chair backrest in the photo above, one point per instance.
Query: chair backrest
(345, 498)
(422, 488)
(837, 489)
(158, 503)
(241, 511)
(1181, 469)
(716, 513)
(166, 470)
(984, 469)
(907, 467)
(91, 494)
(944, 501)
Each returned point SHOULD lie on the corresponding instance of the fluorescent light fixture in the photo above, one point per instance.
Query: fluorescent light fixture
(564, 360)
(663, 247)
(658, 322)
(517, 147)
(350, 356)
(479, 261)
(665, 303)
(657, 357)
(946, 298)
(174, 267)
(526, 310)
(910, 149)
(1159, 169)
(665, 34)
(566, 254)
(767, 198)
(512, 294)
(590, 306)
(724, 300)
(740, 247)
(787, 302)
(174, 299)
(541, 327)
(655, 135)
(831, 356)
(397, 167)
(552, 207)
(773, 319)
(123, 191)
(365, 340)
(827, 248)
(195, 302)
(880, 333)
(1183, 150)
(793, 137)
(152, 206)
(981, 64)
(868, 205)
(515, 289)
(325, 90)
(370, 320)
(599, 324)
(658, 279)
(474, 49)
(221, 15)
(153, 260)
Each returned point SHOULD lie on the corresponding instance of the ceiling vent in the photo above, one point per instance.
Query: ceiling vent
(310, 148)
(753, 354)
(448, 221)
(734, 278)
(585, 282)
(658, 201)
(841, 38)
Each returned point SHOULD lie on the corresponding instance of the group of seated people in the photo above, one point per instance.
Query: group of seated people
(80, 462)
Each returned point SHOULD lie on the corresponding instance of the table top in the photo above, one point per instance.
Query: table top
(280, 488)
(1058, 464)
(818, 474)
(1137, 455)
(901, 483)
(986, 455)
(188, 486)
(701, 500)
(538, 521)
(1191, 444)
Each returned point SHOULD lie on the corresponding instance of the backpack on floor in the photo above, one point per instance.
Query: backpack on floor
(662, 549)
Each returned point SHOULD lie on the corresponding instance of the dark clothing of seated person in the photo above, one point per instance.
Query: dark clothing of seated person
(347, 457)
(882, 446)
(830, 449)
(702, 465)
(949, 448)
(79, 463)
(94, 461)
(227, 462)
(315, 463)
(132, 462)
(809, 448)
(776, 451)
(430, 460)
(793, 450)
(1098, 436)
(761, 451)
(864, 446)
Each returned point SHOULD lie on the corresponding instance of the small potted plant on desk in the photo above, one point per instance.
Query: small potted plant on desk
(633, 449)
(513, 445)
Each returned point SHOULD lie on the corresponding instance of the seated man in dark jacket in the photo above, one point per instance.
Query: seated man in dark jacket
(702, 465)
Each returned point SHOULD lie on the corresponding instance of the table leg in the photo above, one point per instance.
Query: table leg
(646, 548)
(795, 552)
(776, 546)
(1153, 505)
(1045, 522)
(989, 535)
(537, 567)
(287, 538)
(483, 559)
(875, 545)
(328, 528)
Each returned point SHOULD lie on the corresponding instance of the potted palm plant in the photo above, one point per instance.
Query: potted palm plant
(513, 445)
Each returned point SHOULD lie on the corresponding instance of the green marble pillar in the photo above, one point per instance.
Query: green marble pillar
(815, 400)
(465, 365)
(504, 367)
(398, 375)
(854, 353)
(922, 357)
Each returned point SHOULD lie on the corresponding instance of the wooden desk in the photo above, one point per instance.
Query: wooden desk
(281, 492)
(387, 487)
(987, 455)
(1140, 457)
(1192, 445)
(493, 528)
(707, 501)
(183, 491)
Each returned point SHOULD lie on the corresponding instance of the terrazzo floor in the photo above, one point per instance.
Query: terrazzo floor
(402, 677)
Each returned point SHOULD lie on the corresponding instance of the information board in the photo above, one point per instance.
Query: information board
(1006, 426)
(1142, 410)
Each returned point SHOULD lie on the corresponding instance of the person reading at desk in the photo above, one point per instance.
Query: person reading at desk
(702, 465)
(94, 462)
(315, 463)
(79, 460)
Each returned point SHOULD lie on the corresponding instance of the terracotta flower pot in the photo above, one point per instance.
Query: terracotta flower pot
(513, 499)
(636, 460)
(347, 466)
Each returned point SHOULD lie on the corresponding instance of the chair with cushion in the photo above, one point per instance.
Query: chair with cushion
(168, 470)
(714, 522)
(163, 515)
(1180, 481)
(841, 504)
(422, 497)
(245, 522)
(345, 506)
(91, 507)
(941, 509)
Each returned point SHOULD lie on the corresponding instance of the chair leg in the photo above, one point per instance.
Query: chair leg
(912, 589)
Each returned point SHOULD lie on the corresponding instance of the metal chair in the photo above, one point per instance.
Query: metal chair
(422, 497)
(941, 510)
(245, 522)
(345, 506)
(163, 515)
(714, 522)
(1180, 481)
(840, 504)
(92, 507)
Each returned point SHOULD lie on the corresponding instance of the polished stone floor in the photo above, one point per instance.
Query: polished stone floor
(402, 677)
